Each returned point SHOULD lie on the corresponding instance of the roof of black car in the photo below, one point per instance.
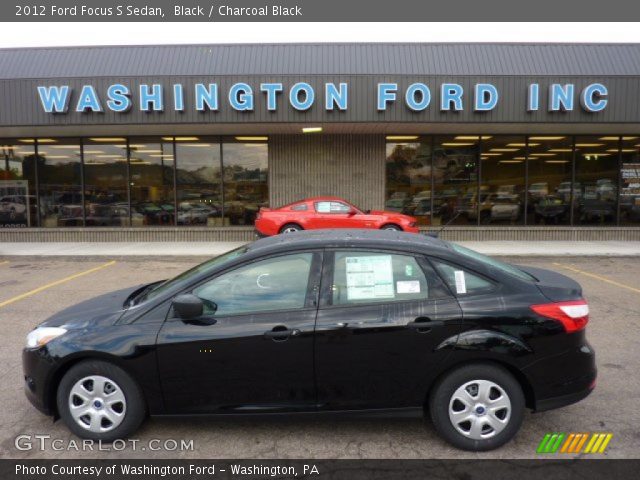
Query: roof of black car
(344, 237)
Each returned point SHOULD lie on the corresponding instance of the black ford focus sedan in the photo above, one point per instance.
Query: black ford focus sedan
(322, 322)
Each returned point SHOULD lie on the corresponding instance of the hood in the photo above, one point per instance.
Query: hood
(106, 309)
(553, 285)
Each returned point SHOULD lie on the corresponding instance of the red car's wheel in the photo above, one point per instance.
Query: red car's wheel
(290, 228)
(390, 226)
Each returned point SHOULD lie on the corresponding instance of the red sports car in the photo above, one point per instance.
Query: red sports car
(328, 212)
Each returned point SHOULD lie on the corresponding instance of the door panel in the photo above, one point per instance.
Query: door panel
(253, 349)
(381, 354)
(233, 366)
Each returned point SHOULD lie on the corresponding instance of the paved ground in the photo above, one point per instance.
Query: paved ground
(611, 285)
(89, 249)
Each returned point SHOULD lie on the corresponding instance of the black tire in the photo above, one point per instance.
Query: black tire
(290, 228)
(135, 410)
(441, 399)
(391, 227)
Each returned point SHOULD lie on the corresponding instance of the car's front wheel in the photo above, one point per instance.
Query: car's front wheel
(391, 227)
(477, 407)
(100, 401)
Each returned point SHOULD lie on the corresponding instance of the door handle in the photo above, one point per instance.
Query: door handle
(424, 324)
(279, 334)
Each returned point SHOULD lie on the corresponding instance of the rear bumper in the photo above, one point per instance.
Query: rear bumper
(562, 400)
(563, 379)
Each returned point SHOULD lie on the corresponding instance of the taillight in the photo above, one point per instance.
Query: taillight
(573, 315)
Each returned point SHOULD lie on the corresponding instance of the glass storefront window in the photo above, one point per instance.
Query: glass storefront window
(502, 192)
(60, 183)
(199, 182)
(105, 183)
(408, 177)
(596, 188)
(550, 171)
(18, 200)
(151, 182)
(630, 181)
(455, 172)
(246, 186)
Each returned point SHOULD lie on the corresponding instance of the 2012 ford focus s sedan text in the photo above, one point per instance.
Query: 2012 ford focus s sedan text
(323, 321)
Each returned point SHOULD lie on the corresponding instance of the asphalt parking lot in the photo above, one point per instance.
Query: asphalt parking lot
(33, 288)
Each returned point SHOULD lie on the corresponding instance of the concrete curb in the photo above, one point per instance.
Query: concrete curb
(171, 249)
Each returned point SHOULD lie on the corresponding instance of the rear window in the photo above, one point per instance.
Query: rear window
(299, 207)
(492, 262)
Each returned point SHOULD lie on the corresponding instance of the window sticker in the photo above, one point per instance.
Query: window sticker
(369, 277)
(408, 286)
(324, 207)
(408, 270)
(461, 284)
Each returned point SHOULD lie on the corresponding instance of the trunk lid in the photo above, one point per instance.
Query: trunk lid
(553, 285)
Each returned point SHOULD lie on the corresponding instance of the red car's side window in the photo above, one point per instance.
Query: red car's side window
(332, 207)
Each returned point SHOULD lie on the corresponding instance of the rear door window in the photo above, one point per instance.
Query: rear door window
(361, 277)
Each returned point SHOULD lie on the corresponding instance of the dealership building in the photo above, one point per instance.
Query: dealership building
(493, 141)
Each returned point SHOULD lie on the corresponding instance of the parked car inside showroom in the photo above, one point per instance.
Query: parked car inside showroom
(328, 212)
(326, 321)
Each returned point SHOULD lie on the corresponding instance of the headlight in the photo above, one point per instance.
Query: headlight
(43, 335)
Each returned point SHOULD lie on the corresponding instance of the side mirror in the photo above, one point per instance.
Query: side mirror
(353, 211)
(188, 306)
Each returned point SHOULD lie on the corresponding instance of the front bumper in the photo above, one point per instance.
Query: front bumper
(38, 368)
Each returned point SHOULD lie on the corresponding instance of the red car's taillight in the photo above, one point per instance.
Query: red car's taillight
(573, 315)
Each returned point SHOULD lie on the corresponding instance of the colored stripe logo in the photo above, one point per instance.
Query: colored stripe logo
(557, 442)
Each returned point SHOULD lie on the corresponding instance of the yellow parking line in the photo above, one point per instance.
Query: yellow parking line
(598, 277)
(4, 262)
(57, 282)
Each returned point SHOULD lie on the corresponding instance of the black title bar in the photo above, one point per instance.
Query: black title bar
(316, 11)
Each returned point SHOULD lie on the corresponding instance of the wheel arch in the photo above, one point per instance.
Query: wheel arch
(284, 224)
(391, 224)
(61, 371)
(521, 378)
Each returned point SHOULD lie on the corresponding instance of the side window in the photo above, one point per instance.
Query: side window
(366, 277)
(461, 281)
(332, 207)
(278, 283)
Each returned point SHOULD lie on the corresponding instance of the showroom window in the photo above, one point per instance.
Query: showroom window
(502, 191)
(18, 202)
(151, 171)
(596, 187)
(60, 183)
(630, 181)
(245, 182)
(455, 176)
(408, 176)
(199, 180)
(549, 192)
(105, 182)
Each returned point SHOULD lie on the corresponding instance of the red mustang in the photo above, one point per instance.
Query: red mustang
(328, 212)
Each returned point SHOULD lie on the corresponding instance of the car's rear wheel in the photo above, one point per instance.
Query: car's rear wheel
(290, 228)
(393, 228)
(477, 407)
(100, 401)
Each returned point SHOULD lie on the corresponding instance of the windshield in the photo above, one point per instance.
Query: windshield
(492, 262)
(186, 277)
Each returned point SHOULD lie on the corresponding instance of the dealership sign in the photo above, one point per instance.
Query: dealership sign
(301, 96)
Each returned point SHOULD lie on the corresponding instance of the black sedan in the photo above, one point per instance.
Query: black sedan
(322, 322)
